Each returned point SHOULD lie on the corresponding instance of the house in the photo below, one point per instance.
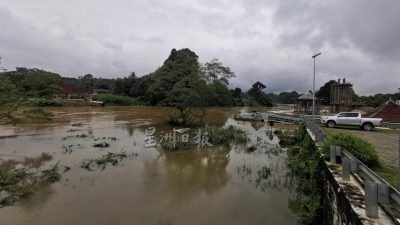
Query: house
(69, 91)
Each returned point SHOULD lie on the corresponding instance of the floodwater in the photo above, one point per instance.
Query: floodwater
(213, 185)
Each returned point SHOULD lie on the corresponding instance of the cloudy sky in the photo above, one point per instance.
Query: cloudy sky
(271, 41)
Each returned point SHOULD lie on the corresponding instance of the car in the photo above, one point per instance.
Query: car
(351, 119)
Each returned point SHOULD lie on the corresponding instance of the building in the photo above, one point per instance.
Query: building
(304, 104)
(72, 91)
(341, 97)
(389, 112)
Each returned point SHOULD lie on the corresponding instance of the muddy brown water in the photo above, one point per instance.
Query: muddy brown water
(215, 185)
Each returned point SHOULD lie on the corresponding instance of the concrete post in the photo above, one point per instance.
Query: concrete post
(371, 199)
(332, 159)
(345, 169)
(383, 194)
(353, 166)
(339, 150)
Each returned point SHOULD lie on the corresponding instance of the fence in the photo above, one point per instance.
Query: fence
(377, 190)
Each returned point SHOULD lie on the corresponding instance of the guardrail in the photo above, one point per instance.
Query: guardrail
(377, 190)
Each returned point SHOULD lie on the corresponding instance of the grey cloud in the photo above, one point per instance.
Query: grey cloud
(267, 40)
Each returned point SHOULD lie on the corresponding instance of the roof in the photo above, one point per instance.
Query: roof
(307, 96)
(72, 88)
(389, 111)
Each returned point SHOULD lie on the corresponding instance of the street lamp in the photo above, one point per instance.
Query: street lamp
(313, 96)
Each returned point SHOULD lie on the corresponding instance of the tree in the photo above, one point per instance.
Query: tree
(86, 81)
(10, 99)
(179, 65)
(187, 99)
(214, 71)
(237, 92)
(40, 83)
(256, 91)
(324, 92)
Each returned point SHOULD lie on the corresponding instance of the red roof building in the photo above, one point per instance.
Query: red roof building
(389, 112)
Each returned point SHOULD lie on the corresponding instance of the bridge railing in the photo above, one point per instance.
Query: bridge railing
(377, 190)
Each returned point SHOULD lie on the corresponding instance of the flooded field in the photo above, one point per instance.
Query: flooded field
(213, 185)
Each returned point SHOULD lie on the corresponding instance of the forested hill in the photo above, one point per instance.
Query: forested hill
(180, 79)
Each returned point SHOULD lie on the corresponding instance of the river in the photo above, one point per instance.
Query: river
(210, 185)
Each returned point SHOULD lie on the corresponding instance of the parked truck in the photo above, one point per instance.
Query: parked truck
(351, 119)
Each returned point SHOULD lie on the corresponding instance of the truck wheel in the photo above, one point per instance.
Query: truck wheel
(367, 126)
(330, 124)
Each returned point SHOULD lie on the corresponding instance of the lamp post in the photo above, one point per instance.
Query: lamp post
(313, 96)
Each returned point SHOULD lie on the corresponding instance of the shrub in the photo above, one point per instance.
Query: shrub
(111, 99)
(227, 135)
(42, 102)
(360, 148)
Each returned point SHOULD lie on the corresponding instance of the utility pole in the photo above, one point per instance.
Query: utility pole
(313, 97)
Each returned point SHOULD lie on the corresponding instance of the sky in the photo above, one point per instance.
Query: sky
(270, 41)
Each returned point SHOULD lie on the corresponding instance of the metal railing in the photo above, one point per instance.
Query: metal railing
(377, 190)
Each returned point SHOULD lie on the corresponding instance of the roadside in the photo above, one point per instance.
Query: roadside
(385, 142)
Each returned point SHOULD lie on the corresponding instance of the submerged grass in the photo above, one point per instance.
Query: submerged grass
(221, 135)
(37, 162)
(211, 135)
(19, 180)
(102, 162)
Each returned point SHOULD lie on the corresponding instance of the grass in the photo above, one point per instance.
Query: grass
(121, 100)
(389, 174)
(216, 136)
(19, 180)
(104, 160)
(37, 162)
(221, 135)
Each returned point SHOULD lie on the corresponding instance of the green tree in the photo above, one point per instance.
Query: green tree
(10, 99)
(188, 101)
(40, 83)
(214, 71)
(256, 91)
(179, 65)
(324, 92)
(86, 81)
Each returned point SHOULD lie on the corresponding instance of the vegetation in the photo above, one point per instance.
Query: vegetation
(256, 91)
(19, 180)
(112, 99)
(212, 134)
(303, 160)
(220, 135)
(360, 148)
(324, 92)
(102, 162)
(284, 97)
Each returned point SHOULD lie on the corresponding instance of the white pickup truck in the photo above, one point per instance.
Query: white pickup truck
(351, 119)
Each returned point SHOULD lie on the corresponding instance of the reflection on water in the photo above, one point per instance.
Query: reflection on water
(215, 185)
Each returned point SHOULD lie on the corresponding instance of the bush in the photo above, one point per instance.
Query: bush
(41, 102)
(111, 99)
(361, 149)
(227, 135)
